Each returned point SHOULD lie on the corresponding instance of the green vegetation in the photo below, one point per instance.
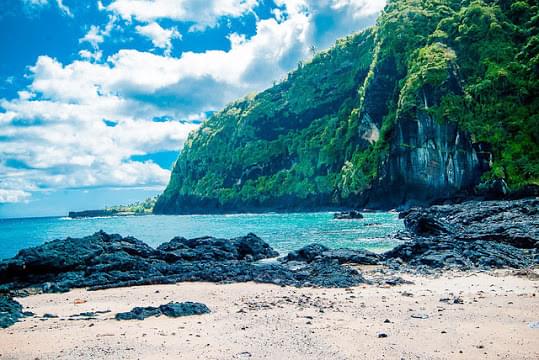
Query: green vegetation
(302, 142)
(139, 207)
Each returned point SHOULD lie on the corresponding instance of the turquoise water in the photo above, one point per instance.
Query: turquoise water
(284, 232)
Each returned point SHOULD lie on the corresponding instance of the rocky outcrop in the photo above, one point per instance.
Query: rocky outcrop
(348, 215)
(103, 261)
(474, 234)
(172, 309)
(249, 247)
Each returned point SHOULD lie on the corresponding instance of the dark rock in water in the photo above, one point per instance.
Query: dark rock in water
(91, 213)
(313, 252)
(348, 215)
(10, 312)
(172, 309)
(104, 261)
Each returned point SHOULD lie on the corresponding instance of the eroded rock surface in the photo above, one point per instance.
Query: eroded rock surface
(172, 309)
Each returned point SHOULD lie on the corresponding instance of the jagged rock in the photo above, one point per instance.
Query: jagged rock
(10, 312)
(313, 252)
(172, 309)
(249, 247)
(183, 309)
(424, 224)
(348, 215)
(307, 253)
(513, 222)
(104, 261)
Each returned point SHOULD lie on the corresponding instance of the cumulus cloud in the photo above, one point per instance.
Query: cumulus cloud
(161, 38)
(54, 135)
(36, 5)
(203, 13)
(13, 196)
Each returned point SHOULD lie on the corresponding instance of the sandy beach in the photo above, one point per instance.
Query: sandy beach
(260, 321)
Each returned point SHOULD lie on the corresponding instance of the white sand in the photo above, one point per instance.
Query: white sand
(260, 321)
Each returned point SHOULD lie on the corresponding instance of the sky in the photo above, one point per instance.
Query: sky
(98, 97)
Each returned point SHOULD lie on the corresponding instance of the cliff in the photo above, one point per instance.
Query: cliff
(437, 98)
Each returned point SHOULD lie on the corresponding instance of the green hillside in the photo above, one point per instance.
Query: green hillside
(436, 98)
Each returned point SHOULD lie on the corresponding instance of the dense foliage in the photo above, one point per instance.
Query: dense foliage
(139, 207)
(299, 144)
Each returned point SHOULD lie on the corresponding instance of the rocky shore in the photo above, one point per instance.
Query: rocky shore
(471, 235)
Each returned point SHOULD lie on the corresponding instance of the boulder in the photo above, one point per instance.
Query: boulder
(10, 312)
(172, 309)
(348, 215)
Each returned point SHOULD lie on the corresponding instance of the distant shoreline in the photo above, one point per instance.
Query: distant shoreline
(101, 213)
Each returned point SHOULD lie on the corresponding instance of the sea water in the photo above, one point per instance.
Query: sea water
(284, 232)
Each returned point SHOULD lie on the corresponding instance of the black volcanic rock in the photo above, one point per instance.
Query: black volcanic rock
(348, 215)
(485, 234)
(315, 252)
(172, 309)
(103, 261)
(513, 222)
(249, 247)
(424, 223)
(10, 312)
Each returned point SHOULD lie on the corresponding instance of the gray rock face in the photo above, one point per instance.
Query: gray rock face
(427, 160)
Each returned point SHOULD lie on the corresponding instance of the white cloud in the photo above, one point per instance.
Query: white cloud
(36, 5)
(204, 13)
(91, 56)
(96, 35)
(93, 37)
(13, 196)
(161, 38)
(64, 8)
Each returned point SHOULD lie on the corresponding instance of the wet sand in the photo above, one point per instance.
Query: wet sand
(259, 321)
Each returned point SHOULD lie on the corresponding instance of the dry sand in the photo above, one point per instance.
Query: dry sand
(258, 321)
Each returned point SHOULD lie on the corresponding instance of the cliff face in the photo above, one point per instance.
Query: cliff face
(426, 161)
(435, 99)
(425, 158)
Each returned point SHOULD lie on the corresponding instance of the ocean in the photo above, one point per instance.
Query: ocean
(284, 232)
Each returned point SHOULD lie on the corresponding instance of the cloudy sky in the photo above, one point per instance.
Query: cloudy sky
(97, 97)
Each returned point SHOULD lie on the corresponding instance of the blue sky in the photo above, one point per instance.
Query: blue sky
(98, 97)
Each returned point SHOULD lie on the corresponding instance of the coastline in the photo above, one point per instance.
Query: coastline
(262, 321)
(445, 292)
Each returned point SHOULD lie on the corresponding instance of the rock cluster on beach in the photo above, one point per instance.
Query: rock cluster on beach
(103, 261)
(464, 236)
(172, 309)
(484, 234)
